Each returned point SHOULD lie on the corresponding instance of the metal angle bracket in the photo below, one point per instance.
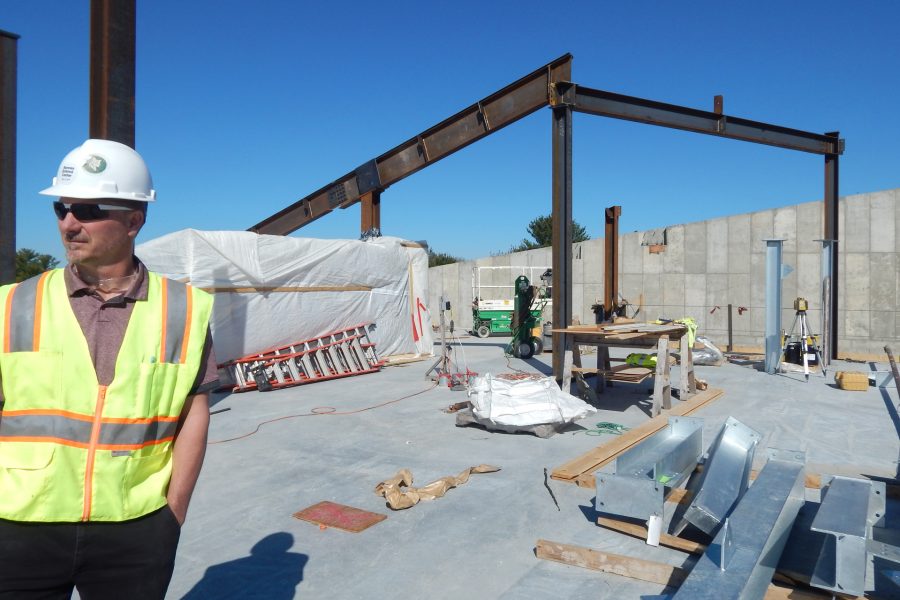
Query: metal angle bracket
(648, 472)
(849, 509)
(724, 479)
(758, 529)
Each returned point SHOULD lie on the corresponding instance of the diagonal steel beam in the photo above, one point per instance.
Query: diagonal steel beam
(515, 101)
(609, 104)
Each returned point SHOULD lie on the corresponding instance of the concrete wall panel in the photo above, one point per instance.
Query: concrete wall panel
(785, 225)
(695, 293)
(631, 252)
(809, 226)
(695, 248)
(717, 246)
(593, 261)
(722, 261)
(857, 272)
(855, 234)
(739, 244)
(762, 227)
(673, 294)
(673, 257)
(882, 222)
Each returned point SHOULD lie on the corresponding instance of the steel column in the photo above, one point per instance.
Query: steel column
(831, 233)
(370, 212)
(112, 70)
(828, 254)
(8, 61)
(773, 304)
(562, 230)
(611, 259)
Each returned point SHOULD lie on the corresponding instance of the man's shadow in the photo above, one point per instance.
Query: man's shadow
(270, 573)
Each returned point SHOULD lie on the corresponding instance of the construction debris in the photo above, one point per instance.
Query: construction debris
(330, 514)
(399, 498)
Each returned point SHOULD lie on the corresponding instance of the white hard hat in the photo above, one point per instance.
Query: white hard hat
(103, 169)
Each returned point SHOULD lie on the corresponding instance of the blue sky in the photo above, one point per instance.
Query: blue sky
(243, 108)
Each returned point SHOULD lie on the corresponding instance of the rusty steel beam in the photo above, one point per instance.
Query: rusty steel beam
(8, 68)
(611, 259)
(370, 205)
(562, 227)
(515, 101)
(618, 106)
(112, 70)
(830, 224)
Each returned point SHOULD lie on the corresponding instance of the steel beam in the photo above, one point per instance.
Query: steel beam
(831, 232)
(741, 561)
(647, 473)
(370, 212)
(562, 231)
(611, 259)
(8, 62)
(773, 304)
(112, 70)
(724, 479)
(513, 102)
(848, 511)
(618, 106)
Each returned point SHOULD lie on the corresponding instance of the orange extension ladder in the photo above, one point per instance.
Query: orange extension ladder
(340, 353)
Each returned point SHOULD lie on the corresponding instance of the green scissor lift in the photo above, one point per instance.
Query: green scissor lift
(494, 292)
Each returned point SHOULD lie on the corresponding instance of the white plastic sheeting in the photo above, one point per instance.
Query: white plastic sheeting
(271, 290)
(513, 405)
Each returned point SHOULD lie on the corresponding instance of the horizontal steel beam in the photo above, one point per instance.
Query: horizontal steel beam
(647, 472)
(515, 101)
(618, 106)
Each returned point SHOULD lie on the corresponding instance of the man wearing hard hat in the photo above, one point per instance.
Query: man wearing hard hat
(105, 370)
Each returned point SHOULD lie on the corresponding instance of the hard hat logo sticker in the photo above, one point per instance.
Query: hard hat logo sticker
(94, 164)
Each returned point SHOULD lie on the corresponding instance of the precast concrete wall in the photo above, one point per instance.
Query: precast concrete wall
(703, 267)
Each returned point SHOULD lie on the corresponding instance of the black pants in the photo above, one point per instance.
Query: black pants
(132, 559)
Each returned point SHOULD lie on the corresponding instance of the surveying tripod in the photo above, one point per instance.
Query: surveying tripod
(808, 347)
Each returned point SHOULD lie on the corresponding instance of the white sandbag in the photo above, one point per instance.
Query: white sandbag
(524, 403)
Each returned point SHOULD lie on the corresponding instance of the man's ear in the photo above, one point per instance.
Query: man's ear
(134, 222)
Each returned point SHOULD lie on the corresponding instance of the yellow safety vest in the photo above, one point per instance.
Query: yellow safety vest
(71, 449)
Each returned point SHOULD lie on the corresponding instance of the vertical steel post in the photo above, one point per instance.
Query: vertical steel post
(8, 62)
(831, 233)
(828, 254)
(773, 304)
(370, 211)
(112, 70)
(611, 259)
(562, 230)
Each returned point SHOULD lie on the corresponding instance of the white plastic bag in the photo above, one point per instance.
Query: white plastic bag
(524, 403)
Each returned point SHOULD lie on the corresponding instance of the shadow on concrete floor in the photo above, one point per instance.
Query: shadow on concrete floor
(270, 573)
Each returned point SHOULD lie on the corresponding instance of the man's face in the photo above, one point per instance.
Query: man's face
(99, 242)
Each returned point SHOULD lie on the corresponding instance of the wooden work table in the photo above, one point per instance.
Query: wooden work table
(628, 335)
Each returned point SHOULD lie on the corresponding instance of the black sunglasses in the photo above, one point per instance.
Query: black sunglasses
(85, 212)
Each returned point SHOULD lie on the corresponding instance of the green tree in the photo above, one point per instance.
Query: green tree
(29, 263)
(541, 231)
(436, 259)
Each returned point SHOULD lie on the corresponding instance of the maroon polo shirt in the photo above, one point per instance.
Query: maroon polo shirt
(104, 322)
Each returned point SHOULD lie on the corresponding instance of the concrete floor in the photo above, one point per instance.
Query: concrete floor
(240, 540)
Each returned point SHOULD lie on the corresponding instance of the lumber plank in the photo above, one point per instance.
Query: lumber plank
(646, 570)
(603, 454)
(640, 532)
(607, 562)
